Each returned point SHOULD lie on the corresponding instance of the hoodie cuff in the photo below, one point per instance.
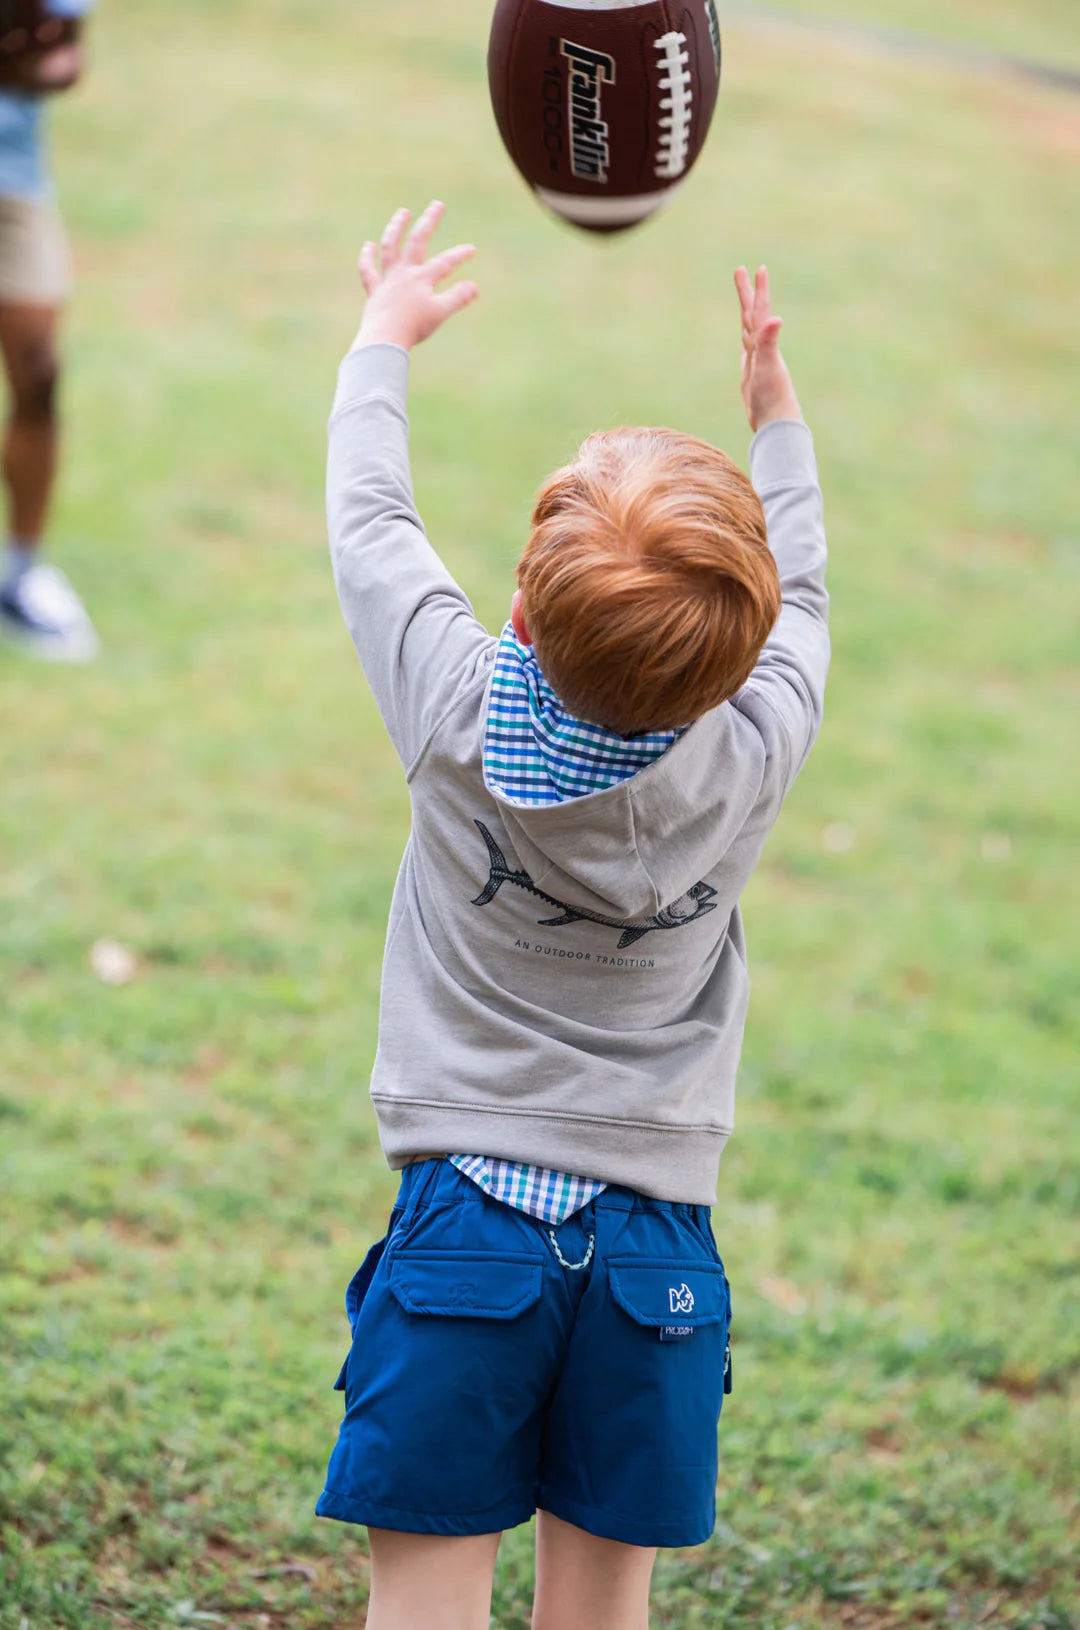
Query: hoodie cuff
(782, 455)
(373, 370)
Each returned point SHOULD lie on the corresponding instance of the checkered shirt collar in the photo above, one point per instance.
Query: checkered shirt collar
(536, 752)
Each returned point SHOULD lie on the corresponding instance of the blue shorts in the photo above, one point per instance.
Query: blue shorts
(498, 1366)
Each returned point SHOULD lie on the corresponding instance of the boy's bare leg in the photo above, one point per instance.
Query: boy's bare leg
(430, 1581)
(28, 346)
(585, 1583)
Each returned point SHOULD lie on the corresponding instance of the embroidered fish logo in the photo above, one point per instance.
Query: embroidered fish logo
(681, 1298)
(686, 909)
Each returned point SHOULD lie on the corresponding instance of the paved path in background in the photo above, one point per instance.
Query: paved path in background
(905, 42)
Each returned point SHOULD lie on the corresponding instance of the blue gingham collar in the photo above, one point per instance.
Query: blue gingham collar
(537, 753)
(549, 1196)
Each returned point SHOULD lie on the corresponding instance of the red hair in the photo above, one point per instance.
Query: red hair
(647, 582)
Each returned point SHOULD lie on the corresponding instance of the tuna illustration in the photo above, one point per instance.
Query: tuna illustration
(686, 909)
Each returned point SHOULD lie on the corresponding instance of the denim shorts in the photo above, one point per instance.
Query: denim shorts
(499, 1365)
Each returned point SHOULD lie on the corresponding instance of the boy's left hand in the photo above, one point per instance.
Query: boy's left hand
(766, 384)
(404, 306)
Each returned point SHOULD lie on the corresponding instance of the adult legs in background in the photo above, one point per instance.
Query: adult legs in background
(585, 1583)
(31, 436)
(38, 607)
(430, 1581)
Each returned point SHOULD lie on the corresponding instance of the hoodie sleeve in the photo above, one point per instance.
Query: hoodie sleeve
(785, 693)
(413, 627)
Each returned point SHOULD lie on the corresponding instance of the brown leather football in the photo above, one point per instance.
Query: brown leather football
(604, 104)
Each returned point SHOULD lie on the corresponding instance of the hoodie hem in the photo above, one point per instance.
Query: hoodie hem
(664, 1162)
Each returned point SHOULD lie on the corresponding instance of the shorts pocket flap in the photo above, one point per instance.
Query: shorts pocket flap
(466, 1284)
(666, 1293)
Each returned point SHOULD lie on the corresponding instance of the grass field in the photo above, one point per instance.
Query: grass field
(1044, 33)
(188, 1164)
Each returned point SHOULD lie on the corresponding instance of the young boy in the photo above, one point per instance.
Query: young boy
(544, 1327)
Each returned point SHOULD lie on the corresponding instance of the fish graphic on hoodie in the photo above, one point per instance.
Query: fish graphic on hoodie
(686, 909)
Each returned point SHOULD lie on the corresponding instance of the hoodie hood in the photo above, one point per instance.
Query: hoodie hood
(631, 849)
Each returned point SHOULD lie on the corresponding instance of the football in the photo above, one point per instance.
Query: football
(604, 105)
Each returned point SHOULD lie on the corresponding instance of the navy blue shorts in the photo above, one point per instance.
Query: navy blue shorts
(498, 1366)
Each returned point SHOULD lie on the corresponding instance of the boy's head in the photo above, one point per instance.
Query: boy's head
(647, 586)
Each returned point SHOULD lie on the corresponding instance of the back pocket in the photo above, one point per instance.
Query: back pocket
(665, 1294)
(466, 1284)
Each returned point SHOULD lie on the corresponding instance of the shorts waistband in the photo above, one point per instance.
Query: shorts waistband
(436, 1181)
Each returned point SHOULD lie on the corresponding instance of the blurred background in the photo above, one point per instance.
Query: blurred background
(199, 833)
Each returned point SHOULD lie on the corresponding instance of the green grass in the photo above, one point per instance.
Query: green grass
(1043, 31)
(188, 1165)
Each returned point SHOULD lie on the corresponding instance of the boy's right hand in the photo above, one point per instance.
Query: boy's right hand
(404, 305)
(766, 384)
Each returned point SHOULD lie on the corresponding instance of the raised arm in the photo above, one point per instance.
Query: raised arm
(785, 694)
(412, 626)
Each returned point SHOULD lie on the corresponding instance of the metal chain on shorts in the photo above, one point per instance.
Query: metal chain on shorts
(574, 1266)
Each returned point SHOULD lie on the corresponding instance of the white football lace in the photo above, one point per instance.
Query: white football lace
(675, 104)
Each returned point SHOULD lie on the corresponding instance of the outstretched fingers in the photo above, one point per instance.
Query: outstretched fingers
(768, 337)
(441, 266)
(369, 268)
(390, 243)
(762, 297)
(393, 247)
(745, 291)
(421, 234)
(402, 282)
(456, 299)
(766, 326)
(759, 327)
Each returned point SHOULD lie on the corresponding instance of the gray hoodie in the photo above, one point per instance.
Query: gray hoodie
(566, 985)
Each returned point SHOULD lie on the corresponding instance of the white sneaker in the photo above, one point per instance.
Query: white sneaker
(43, 615)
